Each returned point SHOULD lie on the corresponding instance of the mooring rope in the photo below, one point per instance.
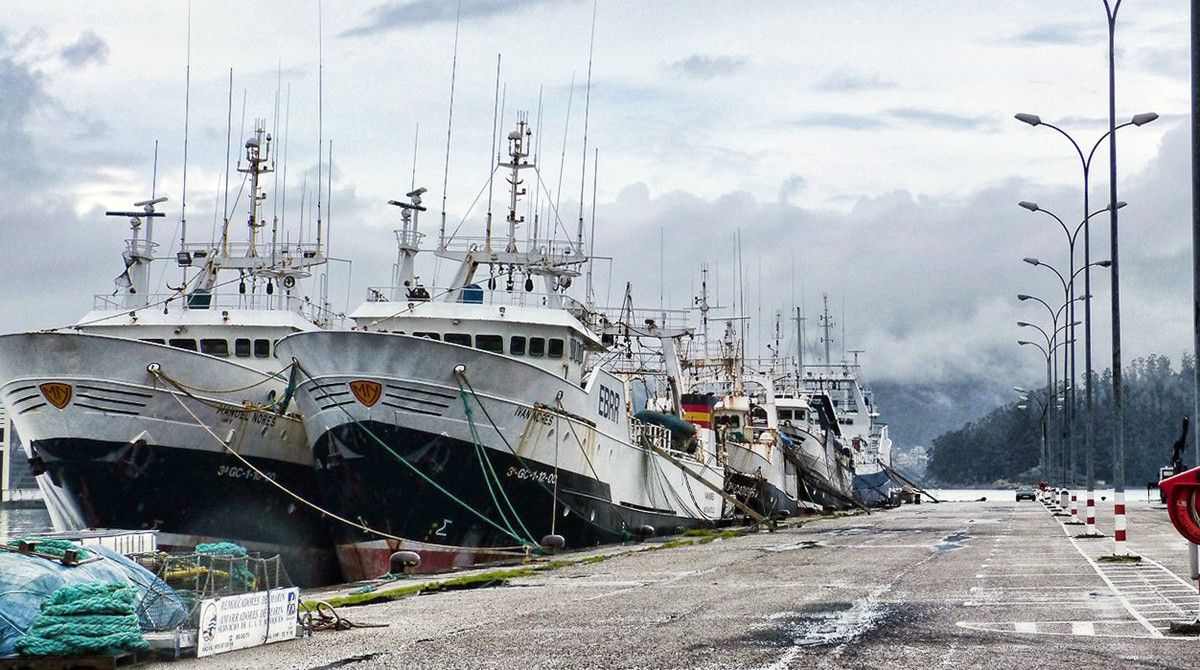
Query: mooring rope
(225, 445)
(623, 531)
(417, 471)
(485, 465)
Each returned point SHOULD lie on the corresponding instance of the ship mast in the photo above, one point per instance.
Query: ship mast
(827, 325)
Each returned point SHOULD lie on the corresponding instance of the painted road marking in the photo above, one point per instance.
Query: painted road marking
(1124, 629)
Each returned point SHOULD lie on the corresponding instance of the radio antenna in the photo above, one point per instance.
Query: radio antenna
(535, 203)
(449, 125)
(592, 243)
(287, 122)
(492, 166)
(187, 107)
(320, 115)
(275, 187)
(562, 159)
(587, 105)
(228, 142)
(416, 136)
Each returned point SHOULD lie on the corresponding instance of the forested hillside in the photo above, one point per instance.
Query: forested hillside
(1005, 444)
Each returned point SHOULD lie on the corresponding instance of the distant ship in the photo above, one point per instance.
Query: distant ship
(865, 443)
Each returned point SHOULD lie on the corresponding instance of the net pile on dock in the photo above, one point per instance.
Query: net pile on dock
(83, 619)
(32, 571)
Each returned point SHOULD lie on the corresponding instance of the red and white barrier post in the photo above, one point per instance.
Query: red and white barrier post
(1091, 513)
(1119, 548)
(1074, 509)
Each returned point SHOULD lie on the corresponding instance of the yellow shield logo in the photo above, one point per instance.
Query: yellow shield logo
(57, 393)
(366, 392)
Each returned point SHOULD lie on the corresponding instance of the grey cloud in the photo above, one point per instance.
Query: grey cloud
(791, 186)
(847, 82)
(1058, 34)
(700, 66)
(945, 120)
(840, 120)
(401, 15)
(1173, 62)
(23, 96)
(89, 48)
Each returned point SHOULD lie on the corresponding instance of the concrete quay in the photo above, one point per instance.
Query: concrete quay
(995, 584)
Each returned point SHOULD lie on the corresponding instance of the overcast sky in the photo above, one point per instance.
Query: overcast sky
(866, 149)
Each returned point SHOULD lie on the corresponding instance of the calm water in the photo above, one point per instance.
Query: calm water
(18, 522)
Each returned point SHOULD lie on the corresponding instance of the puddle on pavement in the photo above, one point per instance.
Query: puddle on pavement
(793, 546)
(823, 625)
(951, 542)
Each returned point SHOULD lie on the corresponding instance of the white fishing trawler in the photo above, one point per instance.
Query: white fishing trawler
(864, 436)
(168, 411)
(475, 421)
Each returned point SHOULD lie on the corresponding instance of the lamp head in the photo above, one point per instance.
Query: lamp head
(1031, 260)
(1143, 119)
(1024, 324)
(1031, 206)
(1024, 342)
(1104, 264)
(1031, 119)
(1022, 296)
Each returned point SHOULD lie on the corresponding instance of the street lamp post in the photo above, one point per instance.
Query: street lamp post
(1068, 286)
(1045, 453)
(1055, 314)
(1119, 549)
(1085, 225)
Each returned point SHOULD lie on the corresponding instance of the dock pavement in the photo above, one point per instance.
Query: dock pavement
(992, 584)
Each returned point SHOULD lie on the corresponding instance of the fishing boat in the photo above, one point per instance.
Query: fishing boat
(168, 410)
(866, 448)
(478, 421)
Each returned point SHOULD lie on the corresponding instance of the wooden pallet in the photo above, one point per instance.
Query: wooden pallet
(129, 660)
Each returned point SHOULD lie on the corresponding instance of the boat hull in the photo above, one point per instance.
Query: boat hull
(763, 484)
(465, 477)
(125, 451)
(873, 488)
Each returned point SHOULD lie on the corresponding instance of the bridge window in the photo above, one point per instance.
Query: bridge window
(214, 347)
(154, 340)
(516, 345)
(241, 347)
(183, 343)
(458, 338)
(262, 348)
(537, 347)
(432, 336)
(492, 343)
(555, 350)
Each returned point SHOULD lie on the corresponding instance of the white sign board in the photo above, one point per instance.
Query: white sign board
(247, 620)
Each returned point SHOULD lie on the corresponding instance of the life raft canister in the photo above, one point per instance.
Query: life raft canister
(1183, 496)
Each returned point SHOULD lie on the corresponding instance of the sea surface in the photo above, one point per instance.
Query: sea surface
(15, 522)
